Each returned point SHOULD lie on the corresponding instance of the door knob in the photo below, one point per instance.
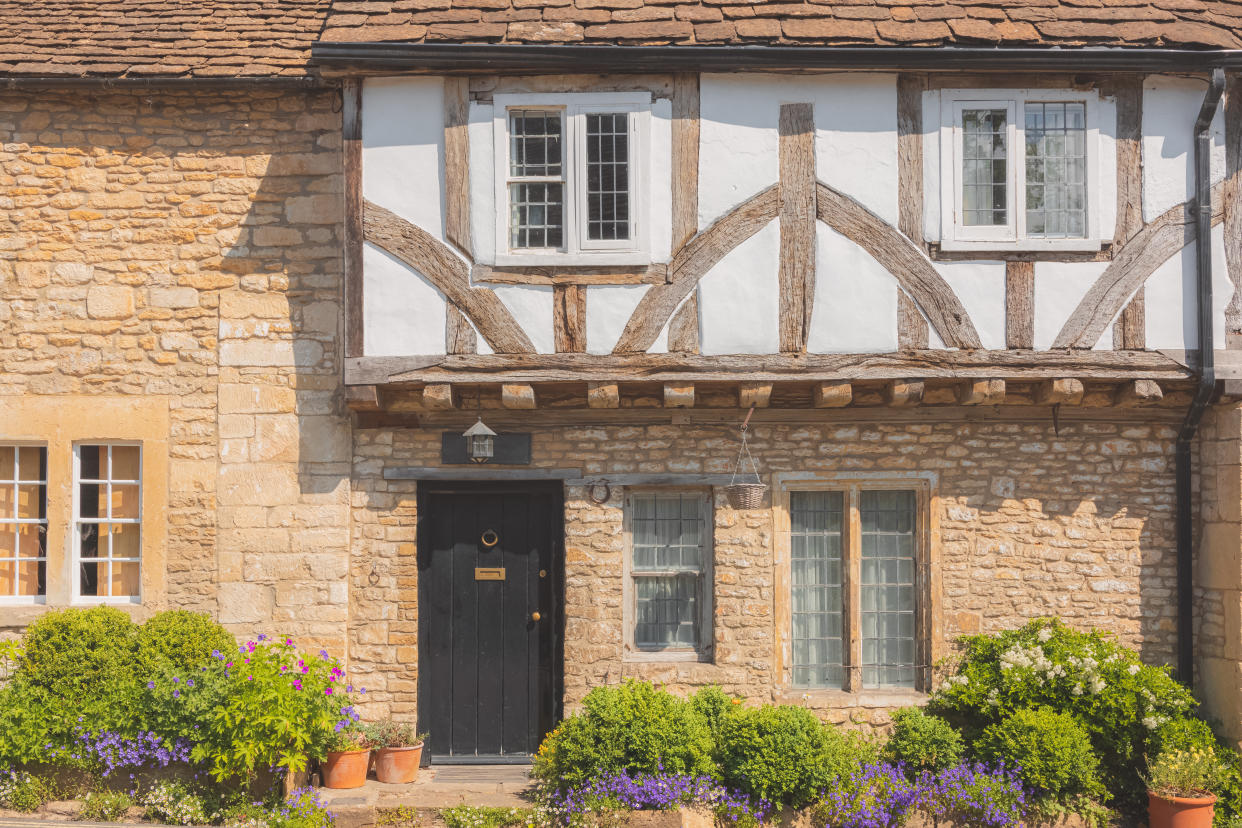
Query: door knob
(534, 616)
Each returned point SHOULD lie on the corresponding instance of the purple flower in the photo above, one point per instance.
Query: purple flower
(175, 679)
(176, 694)
(150, 685)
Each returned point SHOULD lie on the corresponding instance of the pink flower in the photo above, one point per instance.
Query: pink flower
(328, 692)
(297, 684)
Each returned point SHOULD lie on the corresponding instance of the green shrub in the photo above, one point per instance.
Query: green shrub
(629, 727)
(105, 806)
(182, 638)
(1104, 686)
(713, 704)
(1051, 750)
(922, 742)
(23, 791)
(784, 754)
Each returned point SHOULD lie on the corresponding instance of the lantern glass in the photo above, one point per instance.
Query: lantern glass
(481, 447)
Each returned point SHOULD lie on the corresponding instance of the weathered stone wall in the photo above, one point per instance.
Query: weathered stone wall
(1031, 523)
(1218, 567)
(186, 245)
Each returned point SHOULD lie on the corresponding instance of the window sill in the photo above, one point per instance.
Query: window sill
(826, 699)
(637, 656)
(1025, 246)
(609, 258)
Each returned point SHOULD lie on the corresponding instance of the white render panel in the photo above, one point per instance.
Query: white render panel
(1170, 106)
(531, 306)
(1170, 301)
(482, 186)
(405, 314)
(1059, 287)
(403, 148)
(855, 308)
(739, 298)
(608, 308)
(855, 137)
(980, 286)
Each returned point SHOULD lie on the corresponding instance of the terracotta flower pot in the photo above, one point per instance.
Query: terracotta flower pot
(1179, 812)
(397, 765)
(345, 768)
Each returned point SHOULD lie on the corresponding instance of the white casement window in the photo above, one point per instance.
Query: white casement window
(873, 565)
(670, 565)
(569, 178)
(23, 523)
(107, 526)
(1020, 170)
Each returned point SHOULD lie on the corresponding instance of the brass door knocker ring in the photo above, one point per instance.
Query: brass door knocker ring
(490, 538)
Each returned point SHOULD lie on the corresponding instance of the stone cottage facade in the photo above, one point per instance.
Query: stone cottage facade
(261, 265)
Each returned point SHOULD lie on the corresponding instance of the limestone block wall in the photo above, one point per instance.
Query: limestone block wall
(1077, 524)
(185, 246)
(1218, 567)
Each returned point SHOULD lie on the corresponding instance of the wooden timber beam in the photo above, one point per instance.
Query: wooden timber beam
(351, 150)
(836, 394)
(457, 163)
(459, 336)
(1129, 270)
(444, 269)
(685, 157)
(1064, 391)
(517, 397)
(754, 394)
(982, 392)
(1020, 304)
(1137, 393)
(438, 396)
(903, 392)
(603, 395)
(363, 398)
(796, 273)
(678, 395)
(1022, 366)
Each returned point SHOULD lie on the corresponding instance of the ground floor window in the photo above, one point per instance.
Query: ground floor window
(108, 520)
(854, 605)
(669, 569)
(23, 521)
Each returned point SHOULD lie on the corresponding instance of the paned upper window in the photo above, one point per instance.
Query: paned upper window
(669, 568)
(569, 170)
(23, 522)
(108, 521)
(1016, 170)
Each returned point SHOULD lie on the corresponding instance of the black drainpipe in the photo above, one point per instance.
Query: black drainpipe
(1201, 211)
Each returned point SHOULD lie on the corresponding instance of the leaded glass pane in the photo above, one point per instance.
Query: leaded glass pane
(668, 535)
(23, 521)
(537, 215)
(985, 172)
(534, 143)
(608, 181)
(817, 584)
(1056, 169)
(887, 587)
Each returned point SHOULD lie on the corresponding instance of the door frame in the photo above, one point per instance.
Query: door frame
(552, 683)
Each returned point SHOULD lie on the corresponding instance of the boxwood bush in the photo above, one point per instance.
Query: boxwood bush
(922, 742)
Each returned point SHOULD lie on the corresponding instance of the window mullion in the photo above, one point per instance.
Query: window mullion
(1018, 168)
(853, 603)
(575, 177)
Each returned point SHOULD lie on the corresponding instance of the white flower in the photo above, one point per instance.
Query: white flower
(1151, 722)
(1077, 691)
(1132, 669)
(1045, 634)
(1097, 685)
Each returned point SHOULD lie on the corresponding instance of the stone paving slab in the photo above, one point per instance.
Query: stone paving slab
(502, 786)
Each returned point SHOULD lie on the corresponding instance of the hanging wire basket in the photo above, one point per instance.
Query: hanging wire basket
(745, 495)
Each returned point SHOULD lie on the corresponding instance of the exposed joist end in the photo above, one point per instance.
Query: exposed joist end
(903, 392)
(1067, 391)
(678, 395)
(1137, 393)
(438, 396)
(754, 394)
(982, 392)
(832, 394)
(363, 398)
(517, 397)
(603, 395)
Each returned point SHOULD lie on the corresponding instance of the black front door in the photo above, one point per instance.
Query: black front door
(489, 612)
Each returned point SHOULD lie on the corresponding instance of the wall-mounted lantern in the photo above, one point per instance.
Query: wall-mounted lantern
(480, 442)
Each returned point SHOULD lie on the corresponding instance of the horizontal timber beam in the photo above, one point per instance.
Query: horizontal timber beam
(1020, 365)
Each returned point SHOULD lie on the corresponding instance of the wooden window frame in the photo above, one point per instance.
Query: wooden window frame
(577, 249)
(703, 651)
(12, 521)
(927, 588)
(76, 533)
(956, 236)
